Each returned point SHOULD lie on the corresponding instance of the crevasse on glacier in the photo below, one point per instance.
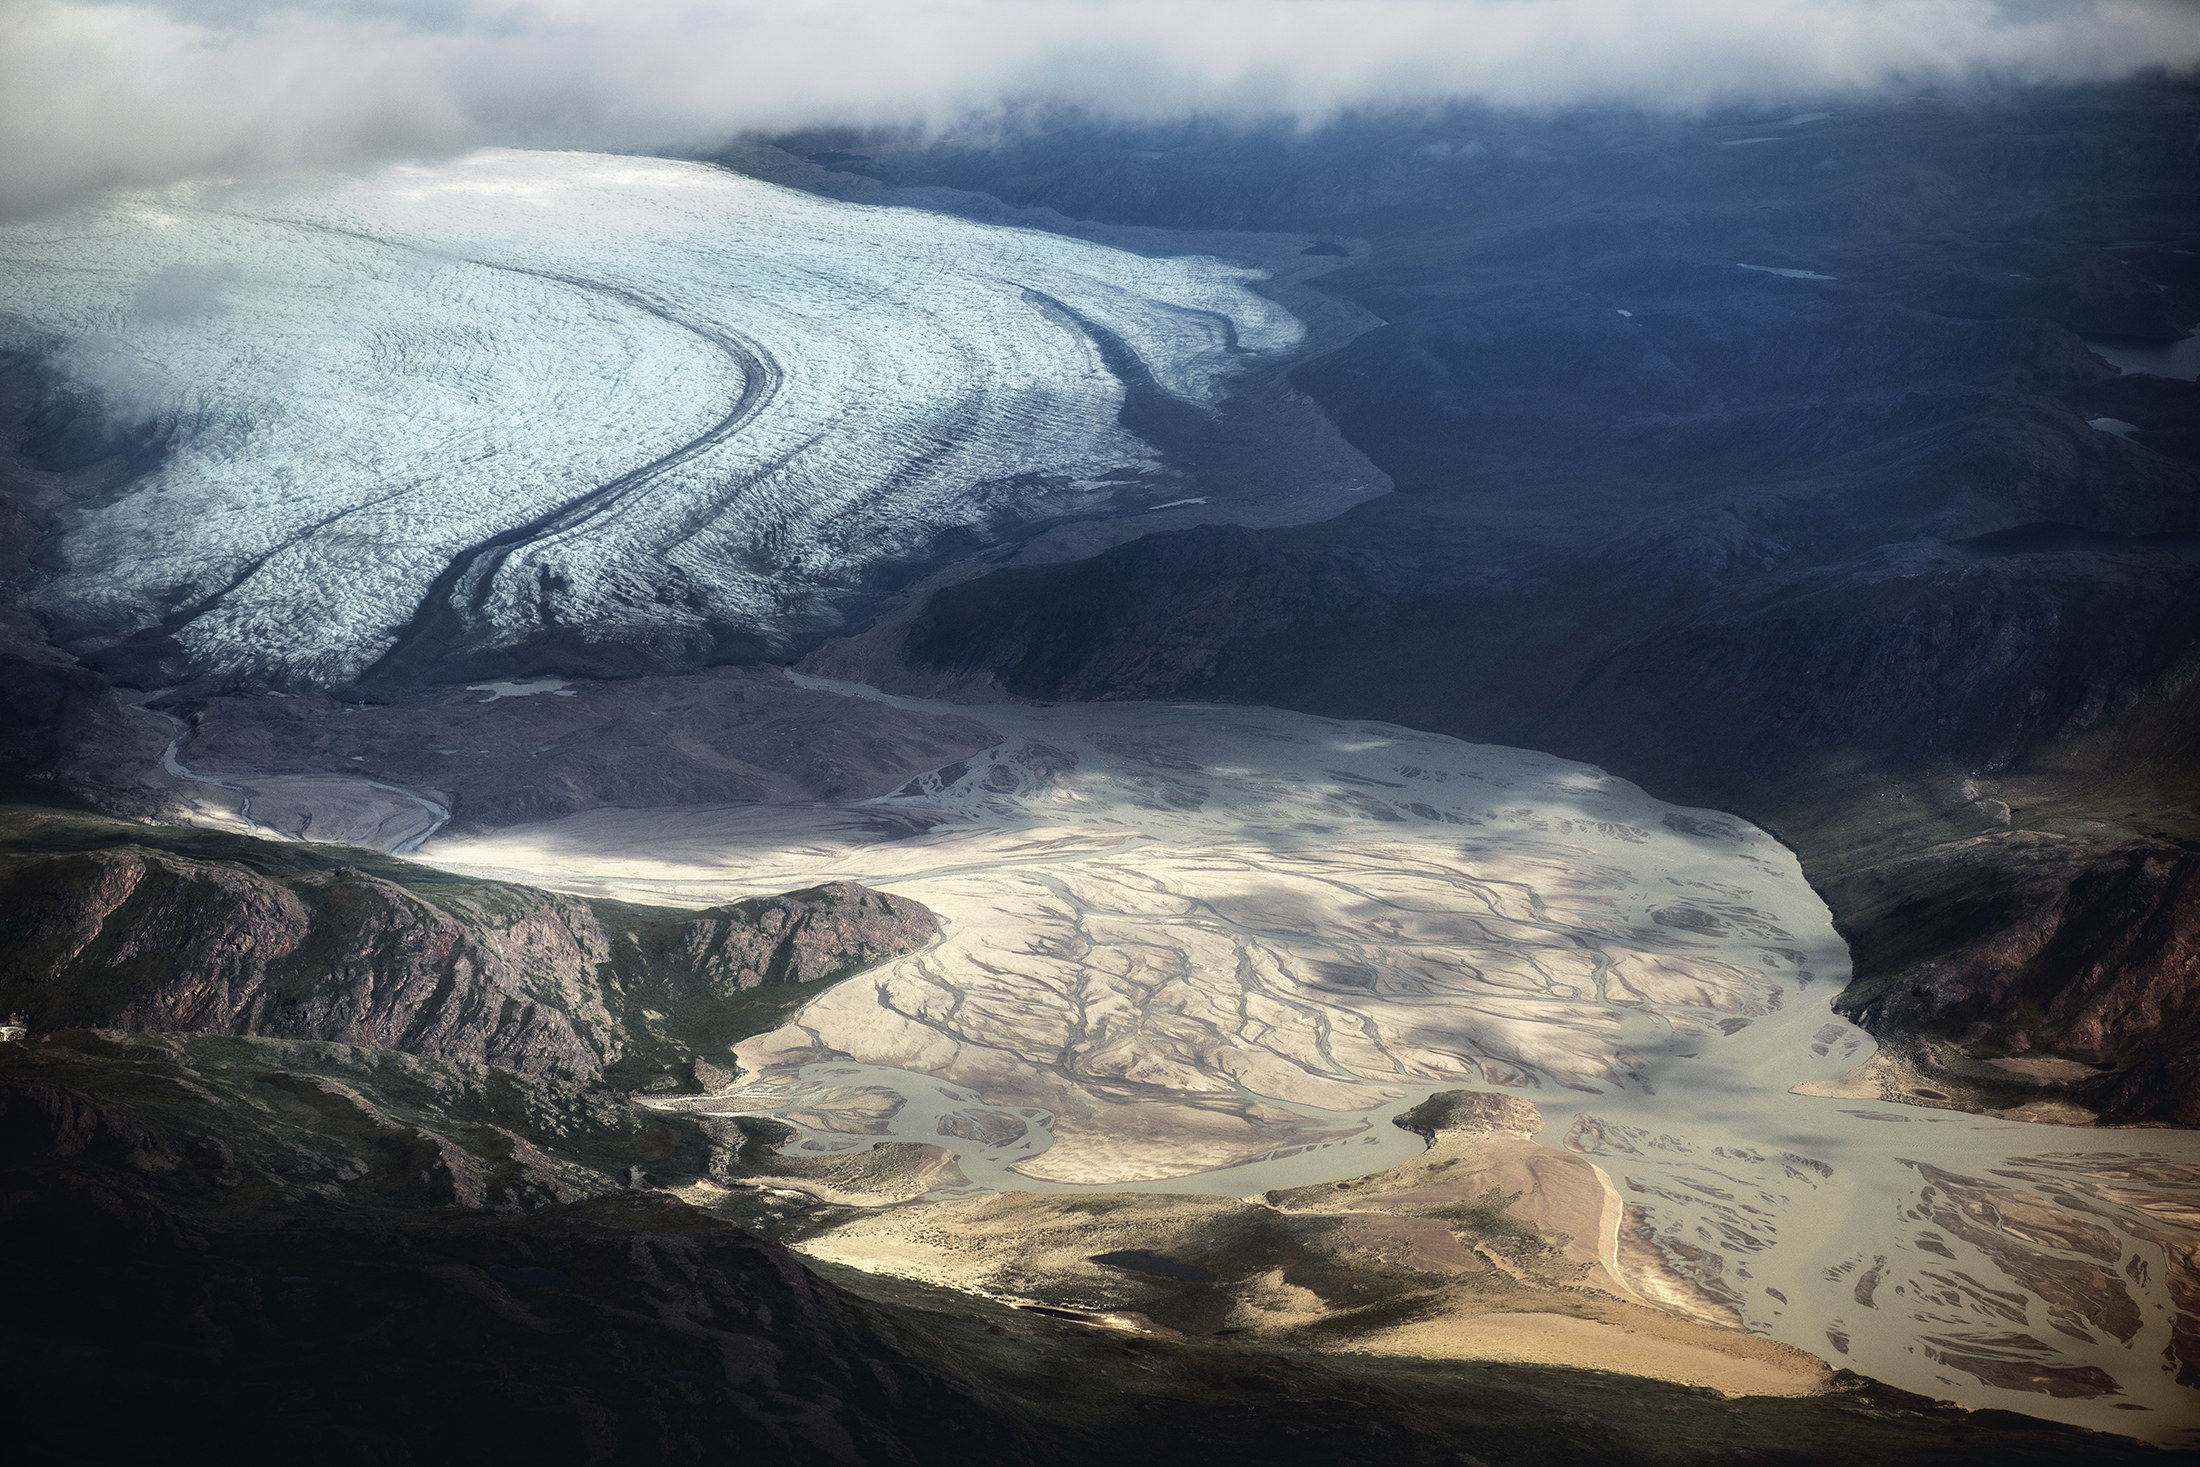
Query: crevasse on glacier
(616, 400)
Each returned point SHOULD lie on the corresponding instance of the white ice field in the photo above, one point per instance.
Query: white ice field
(675, 397)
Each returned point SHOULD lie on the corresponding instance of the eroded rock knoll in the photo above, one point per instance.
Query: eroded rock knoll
(2038, 943)
(136, 938)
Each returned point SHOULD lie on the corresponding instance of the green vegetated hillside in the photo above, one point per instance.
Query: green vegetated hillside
(159, 928)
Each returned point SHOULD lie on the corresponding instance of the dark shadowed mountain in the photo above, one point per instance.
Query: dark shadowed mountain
(1761, 461)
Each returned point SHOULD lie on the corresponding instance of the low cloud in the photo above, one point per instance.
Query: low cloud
(96, 94)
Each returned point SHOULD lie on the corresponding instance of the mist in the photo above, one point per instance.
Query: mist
(99, 95)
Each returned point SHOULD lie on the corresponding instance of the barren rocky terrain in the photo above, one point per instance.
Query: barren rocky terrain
(1767, 476)
(1162, 1030)
(106, 926)
(1212, 951)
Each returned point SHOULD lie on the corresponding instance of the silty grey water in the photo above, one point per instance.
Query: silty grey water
(1655, 979)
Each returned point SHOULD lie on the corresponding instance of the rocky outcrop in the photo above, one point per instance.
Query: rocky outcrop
(810, 936)
(1214, 608)
(131, 938)
(67, 735)
(1670, 652)
(2023, 943)
(136, 938)
(220, 1124)
(1979, 651)
(1471, 1113)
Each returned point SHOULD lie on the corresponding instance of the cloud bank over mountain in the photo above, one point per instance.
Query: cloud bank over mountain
(97, 94)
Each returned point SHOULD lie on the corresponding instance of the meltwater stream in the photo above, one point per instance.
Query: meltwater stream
(1216, 949)
(400, 821)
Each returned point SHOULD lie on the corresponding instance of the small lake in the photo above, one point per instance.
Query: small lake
(1138, 1261)
(2180, 359)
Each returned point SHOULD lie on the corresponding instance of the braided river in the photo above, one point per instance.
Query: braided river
(1203, 949)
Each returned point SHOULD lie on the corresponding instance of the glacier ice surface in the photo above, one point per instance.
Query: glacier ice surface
(613, 400)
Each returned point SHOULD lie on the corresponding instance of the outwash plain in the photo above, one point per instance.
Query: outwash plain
(1208, 951)
(877, 767)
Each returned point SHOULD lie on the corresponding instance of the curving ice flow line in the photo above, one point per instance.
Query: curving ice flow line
(535, 398)
(439, 626)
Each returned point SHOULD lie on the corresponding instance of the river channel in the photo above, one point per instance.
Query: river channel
(1216, 950)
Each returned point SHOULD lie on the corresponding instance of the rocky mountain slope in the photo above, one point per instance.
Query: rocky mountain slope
(2071, 960)
(311, 1272)
(376, 1258)
(1763, 464)
(138, 934)
(658, 1336)
(1756, 459)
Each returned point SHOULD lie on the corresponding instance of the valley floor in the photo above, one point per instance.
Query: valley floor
(1211, 953)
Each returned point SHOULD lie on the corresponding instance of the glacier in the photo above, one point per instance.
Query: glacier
(542, 399)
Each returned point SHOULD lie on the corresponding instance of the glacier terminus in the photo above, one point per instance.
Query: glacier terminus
(565, 402)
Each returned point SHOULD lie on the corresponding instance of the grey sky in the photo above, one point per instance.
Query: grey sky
(94, 94)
